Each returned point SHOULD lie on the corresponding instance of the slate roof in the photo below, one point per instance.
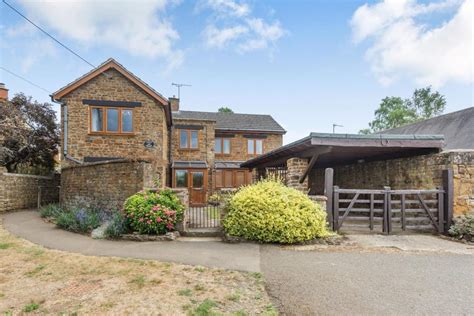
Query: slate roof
(234, 121)
(457, 128)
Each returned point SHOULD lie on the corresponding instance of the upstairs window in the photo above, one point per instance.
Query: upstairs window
(106, 120)
(255, 147)
(188, 139)
(222, 146)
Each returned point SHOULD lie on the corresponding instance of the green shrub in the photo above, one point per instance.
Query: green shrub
(50, 211)
(463, 228)
(117, 226)
(153, 213)
(79, 220)
(268, 211)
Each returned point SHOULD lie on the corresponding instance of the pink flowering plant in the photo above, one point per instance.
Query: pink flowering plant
(153, 213)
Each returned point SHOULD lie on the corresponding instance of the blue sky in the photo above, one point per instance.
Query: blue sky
(307, 63)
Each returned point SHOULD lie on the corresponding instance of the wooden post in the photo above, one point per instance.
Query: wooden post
(448, 186)
(335, 215)
(440, 195)
(39, 197)
(328, 192)
(386, 218)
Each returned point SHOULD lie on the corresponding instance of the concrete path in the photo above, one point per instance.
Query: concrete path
(210, 253)
(375, 274)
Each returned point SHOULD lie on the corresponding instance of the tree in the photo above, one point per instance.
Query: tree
(394, 111)
(29, 134)
(225, 109)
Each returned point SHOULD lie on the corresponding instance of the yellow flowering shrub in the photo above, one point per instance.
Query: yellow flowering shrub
(268, 211)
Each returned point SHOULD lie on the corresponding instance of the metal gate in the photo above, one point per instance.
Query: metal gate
(208, 216)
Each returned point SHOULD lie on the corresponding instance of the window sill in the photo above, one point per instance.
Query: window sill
(188, 149)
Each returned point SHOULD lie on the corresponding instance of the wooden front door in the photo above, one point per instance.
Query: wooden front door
(195, 180)
(197, 187)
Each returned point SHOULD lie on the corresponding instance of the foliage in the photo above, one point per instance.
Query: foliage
(463, 228)
(153, 213)
(50, 211)
(394, 111)
(225, 109)
(117, 226)
(268, 211)
(79, 220)
(30, 134)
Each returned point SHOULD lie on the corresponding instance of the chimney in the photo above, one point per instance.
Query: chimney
(3, 92)
(174, 103)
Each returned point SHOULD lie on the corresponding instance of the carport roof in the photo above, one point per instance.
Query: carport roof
(339, 149)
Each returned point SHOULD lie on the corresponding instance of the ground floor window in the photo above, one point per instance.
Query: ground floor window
(232, 178)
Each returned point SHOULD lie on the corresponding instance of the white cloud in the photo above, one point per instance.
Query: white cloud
(234, 23)
(140, 29)
(403, 47)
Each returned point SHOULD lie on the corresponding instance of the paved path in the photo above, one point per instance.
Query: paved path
(431, 275)
(211, 253)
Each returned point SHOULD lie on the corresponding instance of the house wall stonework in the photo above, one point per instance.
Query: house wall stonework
(238, 146)
(149, 122)
(420, 172)
(19, 191)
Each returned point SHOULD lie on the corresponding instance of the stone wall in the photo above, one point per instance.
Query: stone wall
(238, 146)
(19, 191)
(295, 169)
(149, 123)
(420, 172)
(104, 184)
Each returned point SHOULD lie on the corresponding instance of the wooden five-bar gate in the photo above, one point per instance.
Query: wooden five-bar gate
(387, 210)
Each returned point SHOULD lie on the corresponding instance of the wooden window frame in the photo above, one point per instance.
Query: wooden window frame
(188, 143)
(247, 178)
(254, 141)
(104, 121)
(222, 146)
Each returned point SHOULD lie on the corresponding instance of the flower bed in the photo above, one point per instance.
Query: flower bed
(146, 216)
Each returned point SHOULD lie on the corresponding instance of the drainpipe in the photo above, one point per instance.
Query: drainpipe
(65, 129)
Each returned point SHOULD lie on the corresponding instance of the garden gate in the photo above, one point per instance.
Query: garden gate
(208, 216)
(389, 210)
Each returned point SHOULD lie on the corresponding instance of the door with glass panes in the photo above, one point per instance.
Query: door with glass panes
(196, 182)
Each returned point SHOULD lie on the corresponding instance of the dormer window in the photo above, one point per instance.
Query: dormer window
(107, 120)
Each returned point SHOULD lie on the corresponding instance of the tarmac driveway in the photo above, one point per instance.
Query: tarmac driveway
(369, 282)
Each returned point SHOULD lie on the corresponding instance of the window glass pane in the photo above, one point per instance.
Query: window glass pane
(226, 146)
(250, 147)
(112, 120)
(259, 146)
(183, 138)
(194, 139)
(218, 145)
(127, 121)
(181, 178)
(198, 179)
(97, 120)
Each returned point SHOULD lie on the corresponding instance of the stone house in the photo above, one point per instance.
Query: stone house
(110, 114)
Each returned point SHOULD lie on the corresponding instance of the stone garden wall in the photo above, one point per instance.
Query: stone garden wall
(108, 184)
(104, 184)
(18, 191)
(420, 172)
